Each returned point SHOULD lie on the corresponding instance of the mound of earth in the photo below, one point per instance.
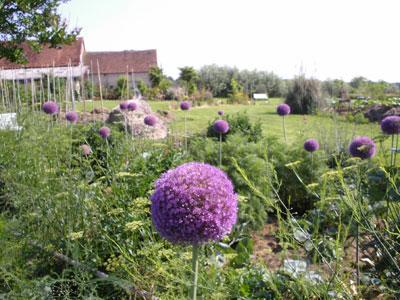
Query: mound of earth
(133, 121)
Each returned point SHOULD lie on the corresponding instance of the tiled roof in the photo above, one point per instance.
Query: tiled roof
(61, 56)
(118, 62)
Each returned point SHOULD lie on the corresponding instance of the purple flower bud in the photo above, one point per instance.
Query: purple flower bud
(311, 145)
(72, 116)
(132, 106)
(50, 107)
(86, 150)
(391, 125)
(221, 112)
(221, 126)
(104, 132)
(123, 105)
(362, 147)
(283, 109)
(193, 204)
(150, 120)
(185, 105)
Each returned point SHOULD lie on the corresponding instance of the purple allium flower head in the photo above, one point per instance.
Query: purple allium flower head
(221, 126)
(150, 120)
(311, 145)
(104, 132)
(86, 150)
(132, 106)
(362, 147)
(221, 112)
(391, 125)
(50, 107)
(72, 116)
(185, 105)
(193, 204)
(123, 105)
(283, 109)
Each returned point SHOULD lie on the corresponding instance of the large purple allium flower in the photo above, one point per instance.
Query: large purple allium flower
(72, 116)
(194, 203)
(123, 105)
(362, 147)
(221, 126)
(311, 145)
(185, 105)
(150, 120)
(132, 106)
(221, 112)
(391, 125)
(104, 132)
(283, 109)
(50, 107)
(86, 150)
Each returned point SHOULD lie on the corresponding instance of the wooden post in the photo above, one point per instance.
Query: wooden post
(101, 93)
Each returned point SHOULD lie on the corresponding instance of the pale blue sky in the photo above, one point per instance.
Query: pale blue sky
(328, 38)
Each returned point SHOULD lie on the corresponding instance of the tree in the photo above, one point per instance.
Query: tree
(36, 22)
(156, 76)
(189, 76)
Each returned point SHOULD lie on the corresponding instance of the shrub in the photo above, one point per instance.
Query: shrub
(304, 96)
(239, 123)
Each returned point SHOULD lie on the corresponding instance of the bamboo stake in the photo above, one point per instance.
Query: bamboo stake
(101, 93)
(92, 87)
(2, 90)
(48, 86)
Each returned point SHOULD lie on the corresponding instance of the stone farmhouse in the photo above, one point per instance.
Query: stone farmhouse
(74, 62)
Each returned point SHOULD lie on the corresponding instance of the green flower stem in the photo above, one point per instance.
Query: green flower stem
(391, 151)
(284, 128)
(395, 152)
(220, 149)
(195, 269)
(186, 142)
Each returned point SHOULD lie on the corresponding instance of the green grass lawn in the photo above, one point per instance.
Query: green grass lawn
(296, 125)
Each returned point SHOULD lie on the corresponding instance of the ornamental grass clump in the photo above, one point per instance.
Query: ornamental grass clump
(362, 147)
(185, 106)
(283, 110)
(391, 126)
(221, 127)
(193, 204)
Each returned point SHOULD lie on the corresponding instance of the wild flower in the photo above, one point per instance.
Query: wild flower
(221, 126)
(362, 147)
(75, 235)
(132, 106)
(86, 150)
(134, 226)
(221, 112)
(104, 132)
(123, 105)
(72, 116)
(150, 120)
(311, 145)
(391, 125)
(283, 109)
(50, 107)
(193, 204)
(185, 105)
